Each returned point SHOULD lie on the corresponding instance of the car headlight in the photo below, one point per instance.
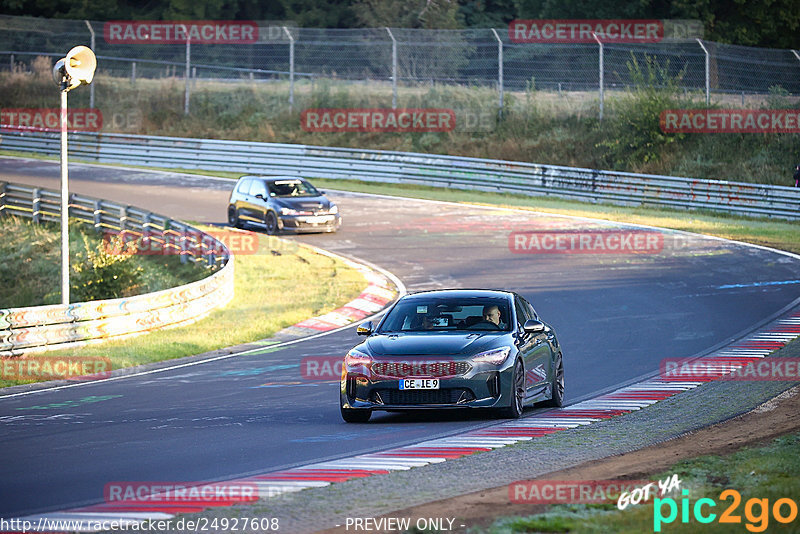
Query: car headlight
(494, 356)
(334, 209)
(357, 358)
(289, 211)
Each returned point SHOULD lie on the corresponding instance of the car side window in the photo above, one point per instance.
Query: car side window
(522, 313)
(530, 309)
(258, 187)
(244, 187)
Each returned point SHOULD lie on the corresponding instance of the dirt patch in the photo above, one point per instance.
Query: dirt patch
(774, 418)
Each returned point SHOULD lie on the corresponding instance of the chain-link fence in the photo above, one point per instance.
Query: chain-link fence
(409, 58)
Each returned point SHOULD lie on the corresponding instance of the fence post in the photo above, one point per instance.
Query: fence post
(499, 72)
(133, 73)
(188, 72)
(11, 65)
(602, 96)
(92, 46)
(291, 68)
(394, 69)
(708, 72)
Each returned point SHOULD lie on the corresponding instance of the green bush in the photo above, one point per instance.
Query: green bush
(633, 134)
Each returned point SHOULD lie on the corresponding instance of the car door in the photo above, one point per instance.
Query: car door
(244, 204)
(258, 200)
(535, 351)
(549, 336)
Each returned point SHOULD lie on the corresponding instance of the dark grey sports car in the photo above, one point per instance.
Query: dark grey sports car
(282, 204)
(453, 349)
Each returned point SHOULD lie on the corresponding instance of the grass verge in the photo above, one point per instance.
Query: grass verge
(279, 285)
(761, 476)
(30, 271)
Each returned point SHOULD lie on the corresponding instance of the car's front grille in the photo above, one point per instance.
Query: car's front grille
(405, 369)
(397, 397)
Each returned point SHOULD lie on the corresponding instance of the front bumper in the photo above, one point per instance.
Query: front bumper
(309, 223)
(481, 388)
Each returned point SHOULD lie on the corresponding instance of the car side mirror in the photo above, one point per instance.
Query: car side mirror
(260, 196)
(532, 326)
(365, 329)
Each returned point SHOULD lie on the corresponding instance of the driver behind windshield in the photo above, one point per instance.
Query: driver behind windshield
(491, 314)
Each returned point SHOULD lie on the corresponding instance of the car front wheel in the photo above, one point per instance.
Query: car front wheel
(233, 217)
(271, 222)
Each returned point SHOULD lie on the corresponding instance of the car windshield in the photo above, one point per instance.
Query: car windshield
(471, 314)
(292, 188)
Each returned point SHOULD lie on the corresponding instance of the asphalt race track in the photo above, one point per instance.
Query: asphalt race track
(617, 316)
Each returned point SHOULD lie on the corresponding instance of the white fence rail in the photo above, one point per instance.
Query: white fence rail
(40, 328)
(412, 168)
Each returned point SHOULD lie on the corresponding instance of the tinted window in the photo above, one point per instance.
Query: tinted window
(244, 187)
(258, 187)
(292, 188)
(530, 309)
(421, 314)
(522, 313)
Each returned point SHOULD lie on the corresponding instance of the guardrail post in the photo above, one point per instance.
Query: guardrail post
(499, 72)
(394, 68)
(708, 72)
(291, 68)
(602, 96)
(123, 218)
(36, 205)
(96, 215)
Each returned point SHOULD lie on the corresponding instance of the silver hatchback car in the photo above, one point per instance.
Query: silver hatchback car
(282, 203)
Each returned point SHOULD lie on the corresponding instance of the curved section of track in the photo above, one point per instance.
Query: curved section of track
(617, 316)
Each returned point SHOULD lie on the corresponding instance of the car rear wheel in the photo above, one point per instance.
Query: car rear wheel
(233, 217)
(355, 416)
(271, 222)
(514, 410)
(557, 386)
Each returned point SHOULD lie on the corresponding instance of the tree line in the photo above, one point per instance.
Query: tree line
(765, 23)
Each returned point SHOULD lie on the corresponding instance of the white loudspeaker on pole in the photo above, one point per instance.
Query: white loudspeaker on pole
(77, 68)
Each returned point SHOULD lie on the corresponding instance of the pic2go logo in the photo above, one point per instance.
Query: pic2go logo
(756, 511)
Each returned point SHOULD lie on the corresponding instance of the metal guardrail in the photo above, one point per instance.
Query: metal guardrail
(411, 168)
(40, 328)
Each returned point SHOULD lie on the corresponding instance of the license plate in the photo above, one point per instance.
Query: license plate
(317, 219)
(419, 383)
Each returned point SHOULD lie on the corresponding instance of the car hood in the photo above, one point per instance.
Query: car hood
(304, 203)
(428, 344)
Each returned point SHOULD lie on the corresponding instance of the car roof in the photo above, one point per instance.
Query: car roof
(271, 178)
(463, 293)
